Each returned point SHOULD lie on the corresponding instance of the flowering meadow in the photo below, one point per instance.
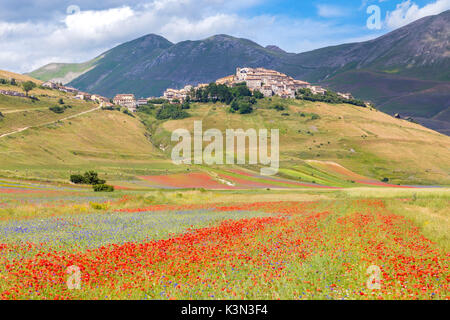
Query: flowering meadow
(327, 249)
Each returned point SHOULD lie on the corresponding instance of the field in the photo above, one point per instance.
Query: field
(223, 244)
(357, 210)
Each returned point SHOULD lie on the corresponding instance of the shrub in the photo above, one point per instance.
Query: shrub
(186, 105)
(157, 101)
(57, 109)
(279, 107)
(77, 178)
(315, 116)
(128, 112)
(102, 188)
(257, 94)
(147, 108)
(61, 101)
(91, 177)
(170, 111)
(385, 179)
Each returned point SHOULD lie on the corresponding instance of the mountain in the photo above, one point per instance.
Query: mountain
(405, 71)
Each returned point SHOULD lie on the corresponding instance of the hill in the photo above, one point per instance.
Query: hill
(21, 112)
(414, 58)
(366, 141)
(333, 145)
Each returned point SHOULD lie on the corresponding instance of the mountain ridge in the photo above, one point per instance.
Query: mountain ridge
(416, 52)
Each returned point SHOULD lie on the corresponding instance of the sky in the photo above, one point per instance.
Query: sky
(34, 33)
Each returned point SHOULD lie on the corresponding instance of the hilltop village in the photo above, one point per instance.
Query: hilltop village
(267, 82)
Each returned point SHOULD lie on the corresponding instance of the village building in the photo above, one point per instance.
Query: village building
(268, 82)
(141, 102)
(347, 96)
(126, 100)
(318, 90)
(50, 84)
(181, 95)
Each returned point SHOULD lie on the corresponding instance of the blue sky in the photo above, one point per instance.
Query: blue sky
(34, 33)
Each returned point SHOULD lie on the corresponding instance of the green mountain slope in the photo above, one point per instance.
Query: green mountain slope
(414, 58)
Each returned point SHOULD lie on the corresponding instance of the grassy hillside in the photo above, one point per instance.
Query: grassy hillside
(23, 112)
(63, 72)
(110, 142)
(363, 140)
(335, 145)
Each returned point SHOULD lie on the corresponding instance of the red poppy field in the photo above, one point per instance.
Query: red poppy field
(340, 249)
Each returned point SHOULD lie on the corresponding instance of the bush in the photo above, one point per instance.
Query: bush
(147, 108)
(279, 107)
(102, 188)
(170, 111)
(61, 101)
(128, 112)
(157, 101)
(89, 177)
(57, 109)
(111, 108)
(385, 179)
(258, 95)
(77, 178)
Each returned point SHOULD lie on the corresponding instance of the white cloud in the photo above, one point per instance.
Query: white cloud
(331, 11)
(408, 11)
(81, 36)
(84, 35)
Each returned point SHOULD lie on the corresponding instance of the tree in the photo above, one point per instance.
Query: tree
(28, 86)
(257, 94)
(77, 178)
(91, 177)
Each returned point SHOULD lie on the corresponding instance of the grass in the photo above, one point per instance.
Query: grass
(366, 142)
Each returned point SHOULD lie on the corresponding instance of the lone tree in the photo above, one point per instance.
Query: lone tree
(28, 86)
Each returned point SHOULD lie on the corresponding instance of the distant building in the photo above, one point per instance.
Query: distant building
(141, 102)
(318, 90)
(50, 84)
(268, 82)
(347, 96)
(126, 100)
(182, 94)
